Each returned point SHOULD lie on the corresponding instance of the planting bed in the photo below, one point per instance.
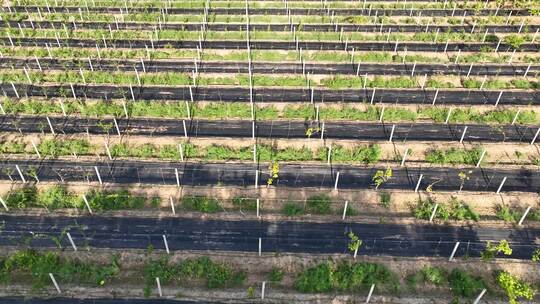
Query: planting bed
(269, 151)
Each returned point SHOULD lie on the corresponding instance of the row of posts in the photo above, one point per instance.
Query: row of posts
(263, 287)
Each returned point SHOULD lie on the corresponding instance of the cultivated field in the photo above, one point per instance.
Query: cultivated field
(264, 151)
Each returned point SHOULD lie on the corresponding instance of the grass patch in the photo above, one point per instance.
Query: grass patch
(293, 209)
(201, 204)
(73, 271)
(363, 154)
(212, 274)
(55, 147)
(245, 204)
(276, 275)
(507, 214)
(114, 200)
(454, 210)
(385, 199)
(454, 156)
(345, 276)
(465, 285)
(319, 204)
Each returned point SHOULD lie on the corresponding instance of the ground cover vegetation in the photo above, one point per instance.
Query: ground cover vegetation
(217, 110)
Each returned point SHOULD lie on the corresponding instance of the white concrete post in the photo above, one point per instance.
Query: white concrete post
(73, 91)
(392, 133)
(477, 300)
(470, 69)
(535, 136)
(55, 283)
(159, 287)
(404, 156)
(50, 125)
(418, 183)
(448, 116)
(87, 204)
(260, 246)
(329, 157)
(322, 130)
(501, 185)
(382, 115)
(116, 126)
(433, 212)
(481, 158)
(337, 181)
(370, 293)
(463, 135)
(98, 175)
(20, 174)
(185, 128)
(457, 56)
(516, 116)
(15, 90)
(181, 151)
(451, 258)
(413, 68)
(258, 208)
(143, 66)
(498, 99)
(255, 153)
(71, 241)
(4, 204)
(263, 287)
(253, 130)
(345, 210)
(256, 179)
(166, 244)
(524, 216)
(177, 177)
(36, 149)
(435, 97)
(172, 205)
(527, 70)
(108, 150)
(27, 75)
